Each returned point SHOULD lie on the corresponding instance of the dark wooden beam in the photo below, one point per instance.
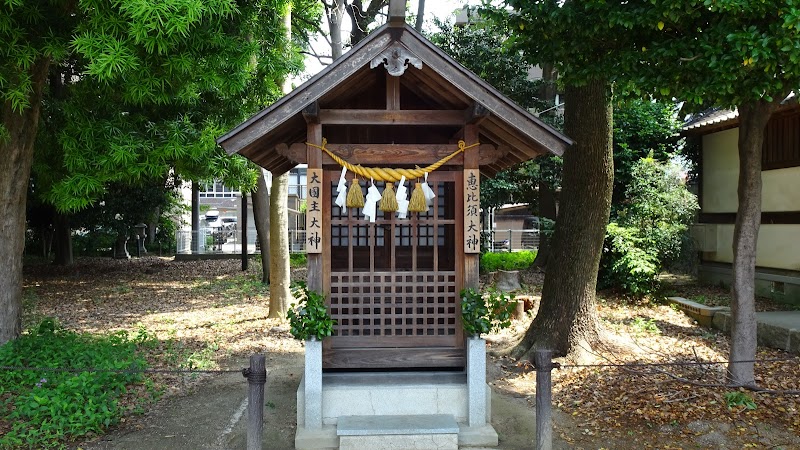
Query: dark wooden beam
(267, 160)
(394, 154)
(476, 114)
(521, 149)
(311, 113)
(392, 93)
(284, 167)
(397, 13)
(767, 218)
(413, 81)
(383, 117)
(520, 121)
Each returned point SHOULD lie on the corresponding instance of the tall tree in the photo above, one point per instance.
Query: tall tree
(589, 60)
(150, 86)
(334, 11)
(362, 16)
(420, 15)
(280, 280)
(261, 213)
(731, 53)
(568, 294)
(479, 46)
(272, 257)
(725, 52)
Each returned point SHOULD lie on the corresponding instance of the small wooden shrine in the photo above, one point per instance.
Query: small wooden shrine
(398, 114)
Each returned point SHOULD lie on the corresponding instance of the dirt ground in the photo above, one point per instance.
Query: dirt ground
(209, 314)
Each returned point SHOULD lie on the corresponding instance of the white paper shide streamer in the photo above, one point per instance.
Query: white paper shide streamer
(402, 199)
(371, 202)
(426, 189)
(341, 189)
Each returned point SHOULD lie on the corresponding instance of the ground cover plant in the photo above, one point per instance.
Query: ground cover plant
(47, 408)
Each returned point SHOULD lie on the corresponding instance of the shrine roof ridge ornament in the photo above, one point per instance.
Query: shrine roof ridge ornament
(396, 59)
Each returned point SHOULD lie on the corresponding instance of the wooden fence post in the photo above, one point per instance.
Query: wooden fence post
(542, 359)
(256, 377)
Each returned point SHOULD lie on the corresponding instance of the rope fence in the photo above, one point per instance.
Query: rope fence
(256, 376)
(96, 370)
(554, 365)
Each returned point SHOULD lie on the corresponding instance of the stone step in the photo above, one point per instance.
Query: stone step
(416, 424)
(433, 431)
(387, 393)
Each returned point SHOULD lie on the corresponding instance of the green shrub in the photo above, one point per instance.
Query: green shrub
(309, 317)
(649, 228)
(491, 262)
(298, 260)
(47, 408)
(483, 313)
(631, 267)
(738, 399)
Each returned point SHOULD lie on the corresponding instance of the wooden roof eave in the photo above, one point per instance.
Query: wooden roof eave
(250, 131)
(501, 108)
(521, 132)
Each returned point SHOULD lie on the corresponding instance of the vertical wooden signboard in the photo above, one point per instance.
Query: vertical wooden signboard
(472, 211)
(314, 211)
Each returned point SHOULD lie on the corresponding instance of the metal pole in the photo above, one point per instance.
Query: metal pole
(244, 231)
(195, 217)
(542, 359)
(256, 376)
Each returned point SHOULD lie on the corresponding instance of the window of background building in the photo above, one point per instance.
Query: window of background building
(782, 142)
(218, 190)
(297, 182)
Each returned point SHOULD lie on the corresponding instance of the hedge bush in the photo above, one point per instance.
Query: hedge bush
(521, 260)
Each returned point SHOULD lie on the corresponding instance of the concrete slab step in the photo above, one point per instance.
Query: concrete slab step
(776, 329)
(418, 432)
(387, 393)
(381, 425)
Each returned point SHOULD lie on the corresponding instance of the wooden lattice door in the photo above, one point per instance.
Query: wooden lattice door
(394, 283)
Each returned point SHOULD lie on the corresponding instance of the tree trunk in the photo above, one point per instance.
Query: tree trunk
(63, 240)
(361, 19)
(15, 166)
(547, 91)
(567, 318)
(547, 209)
(261, 212)
(279, 293)
(753, 118)
(420, 15)
(152, 226)
(335, 15)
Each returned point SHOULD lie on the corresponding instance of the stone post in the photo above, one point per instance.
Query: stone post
(476, 382)
(313, 384)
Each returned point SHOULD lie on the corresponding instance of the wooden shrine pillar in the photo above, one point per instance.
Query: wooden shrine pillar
(315, 192)
(471, 253)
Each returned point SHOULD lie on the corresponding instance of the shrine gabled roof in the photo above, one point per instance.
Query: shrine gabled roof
(441, 82)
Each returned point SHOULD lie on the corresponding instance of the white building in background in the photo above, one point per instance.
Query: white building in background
(221, 217)
(778, 253)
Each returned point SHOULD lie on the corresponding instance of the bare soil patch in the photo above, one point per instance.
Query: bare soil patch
(208, 313)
